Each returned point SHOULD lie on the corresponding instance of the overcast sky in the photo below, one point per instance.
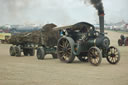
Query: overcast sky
(60, 12)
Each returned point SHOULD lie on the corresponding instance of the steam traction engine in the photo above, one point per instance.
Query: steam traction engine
(83, 41)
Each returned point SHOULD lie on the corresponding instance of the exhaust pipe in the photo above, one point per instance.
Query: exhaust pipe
(101, 22)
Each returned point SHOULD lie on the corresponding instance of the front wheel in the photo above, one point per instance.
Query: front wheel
(94, 56)
(113, 55)
(40, 53)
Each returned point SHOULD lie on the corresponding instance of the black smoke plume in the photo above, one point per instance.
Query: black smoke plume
(98, 5)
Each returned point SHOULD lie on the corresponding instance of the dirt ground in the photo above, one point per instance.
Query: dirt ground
(31, 71)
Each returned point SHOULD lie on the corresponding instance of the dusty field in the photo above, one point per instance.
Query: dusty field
(30, 71)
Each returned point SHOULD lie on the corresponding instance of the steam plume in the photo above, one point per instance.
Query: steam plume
(98, 5)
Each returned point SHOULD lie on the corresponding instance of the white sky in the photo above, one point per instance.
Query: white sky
(61, 12)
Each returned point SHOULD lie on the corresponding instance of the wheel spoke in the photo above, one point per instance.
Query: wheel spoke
(112, 59)
(61, 46)
(91, 53)
(60, 51)
(69, 49)
(66, 43)
(116, 53)
(95, 61)
(92, 60)
(96, 53)
(115, 59)
(69, 53)
(115, 50)
(65, 57)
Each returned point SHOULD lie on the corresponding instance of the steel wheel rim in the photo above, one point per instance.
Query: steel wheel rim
(64, 49)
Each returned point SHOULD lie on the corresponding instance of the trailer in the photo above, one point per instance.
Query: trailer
(25, 43)
(39, 40)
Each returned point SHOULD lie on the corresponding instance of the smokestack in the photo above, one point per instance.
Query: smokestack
(101, 22)
(99, 7)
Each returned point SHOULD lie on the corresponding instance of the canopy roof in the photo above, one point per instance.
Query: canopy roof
(77, 26)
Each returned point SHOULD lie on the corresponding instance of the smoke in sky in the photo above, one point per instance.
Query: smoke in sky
(97, 4)
(33, 11)
(61, 11)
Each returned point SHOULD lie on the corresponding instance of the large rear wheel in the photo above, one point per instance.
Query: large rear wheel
(113, 55)
(64, 51)
(94, 56)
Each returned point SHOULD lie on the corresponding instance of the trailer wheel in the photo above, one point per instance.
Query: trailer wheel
(83, 58)
(113, 55)
(12, 51)
(94, 56)
(64, 50)
(40, 53)
(18, 51)
(54, 56)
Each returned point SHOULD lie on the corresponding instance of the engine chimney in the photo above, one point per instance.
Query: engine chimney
(101, 22)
